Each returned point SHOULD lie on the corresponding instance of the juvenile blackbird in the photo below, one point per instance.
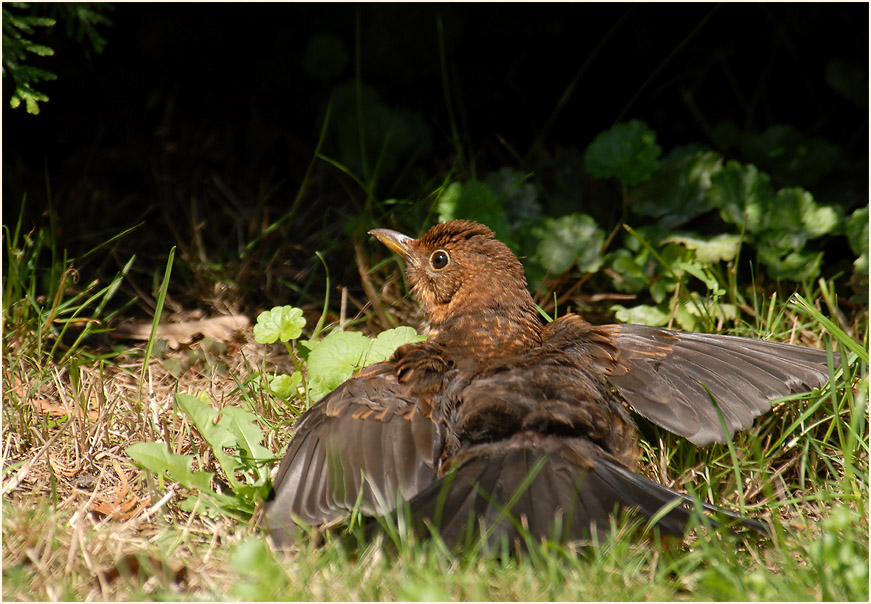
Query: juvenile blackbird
(498, 420)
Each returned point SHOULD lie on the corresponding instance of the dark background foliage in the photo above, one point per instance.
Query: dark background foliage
(200, 120)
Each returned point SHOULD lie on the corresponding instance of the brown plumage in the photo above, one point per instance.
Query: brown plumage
(497, 408)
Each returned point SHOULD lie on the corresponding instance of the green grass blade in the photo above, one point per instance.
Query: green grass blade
(158, 310)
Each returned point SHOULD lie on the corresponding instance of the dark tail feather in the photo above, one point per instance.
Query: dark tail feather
(554, 489)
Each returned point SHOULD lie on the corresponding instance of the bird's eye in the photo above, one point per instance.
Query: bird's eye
(439, 259)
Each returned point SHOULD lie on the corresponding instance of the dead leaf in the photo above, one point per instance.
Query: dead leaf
(60, 468)
(59, 410)
(132, 565)
(175, 334)
(125, 505)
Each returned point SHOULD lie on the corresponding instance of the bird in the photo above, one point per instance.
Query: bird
(504, 426)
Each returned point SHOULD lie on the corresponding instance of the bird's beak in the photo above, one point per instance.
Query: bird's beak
(395, 240)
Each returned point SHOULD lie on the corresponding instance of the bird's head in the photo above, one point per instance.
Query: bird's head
(459, 268)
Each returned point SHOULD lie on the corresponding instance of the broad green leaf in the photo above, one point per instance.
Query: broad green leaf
(254, 492)
(677, 192)
(723, 247)
(642, 314)
(743, 195)
(286, 386)
(218, 505)
(248, 435)
(660, 288)
(448, 202)
(476, 201)
(334, 359)
(792, 215)
(857, 231)
(814, 220)
(283, 323)
(388, 341)
(857, 237)
(567, 241)
(214, 431)
(627, 152)
(789, 156)
(794, 266)
(781, 223)
(158, 459)
(685, 319)
(633, 277)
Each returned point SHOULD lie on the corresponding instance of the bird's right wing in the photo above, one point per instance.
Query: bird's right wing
(365, 445)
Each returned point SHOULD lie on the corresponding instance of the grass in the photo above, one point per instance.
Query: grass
(81, 521)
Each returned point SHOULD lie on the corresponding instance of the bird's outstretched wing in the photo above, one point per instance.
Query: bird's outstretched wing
(660, 374)
(564, 488)
(366, 445)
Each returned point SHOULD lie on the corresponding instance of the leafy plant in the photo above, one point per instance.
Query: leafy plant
(790, 156)
(329, 361)
(231, 429)
(567, 241)
(678, 191)
(282, 323)
(508, 203)
(857, 237)
(627, 152)
(475, 199)
(16, 48)
(679, 260)
(691, 181)
(233, 434)
(20, 23)
(779, 223)
(338, 356)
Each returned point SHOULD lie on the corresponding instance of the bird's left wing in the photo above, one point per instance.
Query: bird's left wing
(364, 446)
(666, 376)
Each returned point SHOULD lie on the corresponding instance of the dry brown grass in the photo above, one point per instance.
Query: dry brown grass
(76, 510)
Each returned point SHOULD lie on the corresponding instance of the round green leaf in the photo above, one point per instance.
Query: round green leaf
(334, 359)
(388, 341)
(286, 386)
(627, 152)
(569, 240)
(283, 323)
